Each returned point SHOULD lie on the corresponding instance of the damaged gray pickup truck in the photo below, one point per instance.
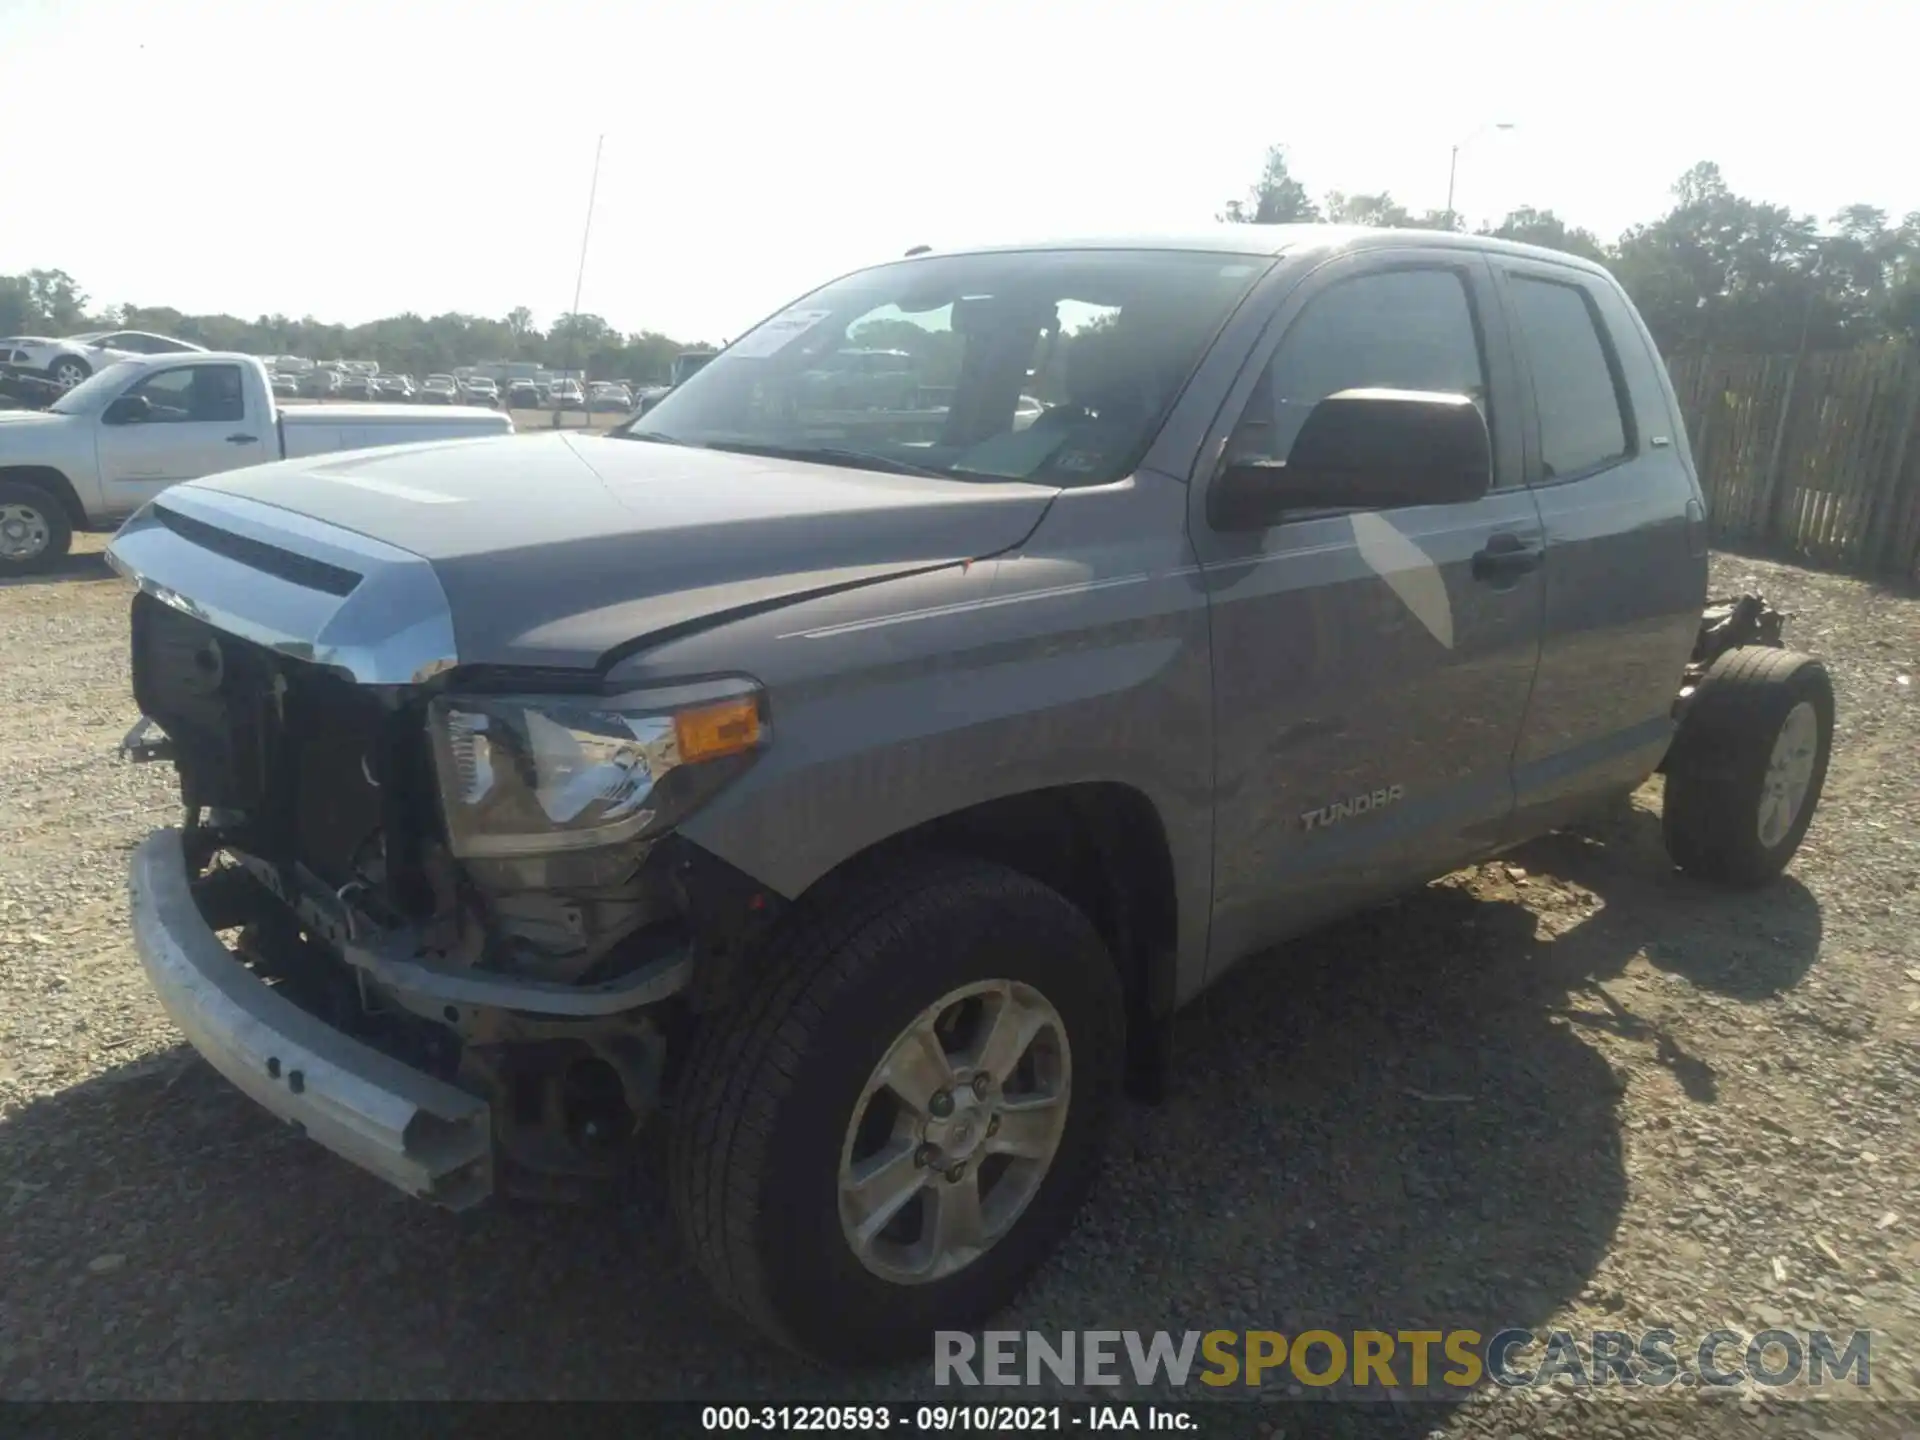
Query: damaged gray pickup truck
(861, 791)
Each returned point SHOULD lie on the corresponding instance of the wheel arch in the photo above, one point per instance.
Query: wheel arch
(54, 483)
(1104, 846)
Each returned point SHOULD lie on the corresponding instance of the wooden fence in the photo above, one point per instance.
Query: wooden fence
(1815, 456)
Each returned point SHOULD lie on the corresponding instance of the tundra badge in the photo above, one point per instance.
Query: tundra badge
(1346, 809)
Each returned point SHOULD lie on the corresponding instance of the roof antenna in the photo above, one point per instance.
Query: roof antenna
(920, 250)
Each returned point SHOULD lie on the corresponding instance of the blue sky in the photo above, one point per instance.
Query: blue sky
(355, 158)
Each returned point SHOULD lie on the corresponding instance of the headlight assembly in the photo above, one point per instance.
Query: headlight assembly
(525, 775)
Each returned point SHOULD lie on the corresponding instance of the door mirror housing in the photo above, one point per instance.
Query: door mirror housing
(129, 410)
(1364, 450)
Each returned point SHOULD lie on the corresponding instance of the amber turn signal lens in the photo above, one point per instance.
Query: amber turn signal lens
(713, 731)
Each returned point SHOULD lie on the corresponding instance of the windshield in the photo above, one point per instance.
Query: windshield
(94, 392)
(923, 365)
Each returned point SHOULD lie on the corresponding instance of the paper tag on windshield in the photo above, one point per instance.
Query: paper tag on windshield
(776, 334)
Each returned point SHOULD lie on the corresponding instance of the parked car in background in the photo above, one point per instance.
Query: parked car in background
(480, 390)
(525, 395)
(356, 386)
(394, 387)
(322, 384)
(648, 396)
(688, 363)
(439, 390)
(285, 385)
(856, 379)
(609, 395)
(566, 395)
(118, 439)
(67, 362)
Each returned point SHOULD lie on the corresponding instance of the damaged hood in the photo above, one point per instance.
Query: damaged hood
(554, 550)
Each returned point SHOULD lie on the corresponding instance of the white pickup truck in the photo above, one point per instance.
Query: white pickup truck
(113, 442)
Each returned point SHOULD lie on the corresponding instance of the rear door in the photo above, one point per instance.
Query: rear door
(1625, 569)
(1370, 673)
(197, 423)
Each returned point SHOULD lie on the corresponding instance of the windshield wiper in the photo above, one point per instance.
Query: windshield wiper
(828, 455)
(654, 437)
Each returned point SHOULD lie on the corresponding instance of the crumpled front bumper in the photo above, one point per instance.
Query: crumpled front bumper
(426, 1137)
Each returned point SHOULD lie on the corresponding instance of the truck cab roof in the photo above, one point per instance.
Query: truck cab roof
(1277, 241)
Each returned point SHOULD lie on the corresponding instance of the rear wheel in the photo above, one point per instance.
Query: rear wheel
(34, 529)
(900, 1126)
(1748, 766)
(69, 370)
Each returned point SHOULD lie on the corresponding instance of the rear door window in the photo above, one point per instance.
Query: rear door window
(1576, 378)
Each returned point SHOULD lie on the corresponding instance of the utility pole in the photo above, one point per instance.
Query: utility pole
(580, 277)
(1453, 163)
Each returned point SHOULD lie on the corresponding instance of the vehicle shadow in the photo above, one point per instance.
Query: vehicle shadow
(80, 565)
(1395, 1124)
(1747, 945)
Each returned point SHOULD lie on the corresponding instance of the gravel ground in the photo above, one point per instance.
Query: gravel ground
(1568, 1089)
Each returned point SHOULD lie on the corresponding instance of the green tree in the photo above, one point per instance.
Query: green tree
(1379, 211)
(16, 305)
(1546, 229)
(1275, 199)
(41, 302)
(1721, 269)
(59, 304)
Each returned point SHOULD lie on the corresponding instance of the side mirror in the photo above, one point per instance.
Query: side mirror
(1364, 450)
(129, 410)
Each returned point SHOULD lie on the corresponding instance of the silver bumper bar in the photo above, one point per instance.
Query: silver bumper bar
(420, 1134)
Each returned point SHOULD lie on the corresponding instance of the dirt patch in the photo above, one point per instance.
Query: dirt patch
(1569, 1089)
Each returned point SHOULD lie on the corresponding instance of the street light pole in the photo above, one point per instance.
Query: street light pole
(580, 276)
(586, 229)
(1453, 163)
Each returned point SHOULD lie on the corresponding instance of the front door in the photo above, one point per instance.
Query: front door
(1370, 669)
(195, 423)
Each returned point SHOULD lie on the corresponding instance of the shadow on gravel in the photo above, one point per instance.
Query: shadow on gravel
(1394, 1124)
(1892, 583)
(81, 565)
(1746, 945)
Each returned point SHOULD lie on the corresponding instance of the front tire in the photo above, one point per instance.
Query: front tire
(35, 532)
(892, 1132)
(1748, 766)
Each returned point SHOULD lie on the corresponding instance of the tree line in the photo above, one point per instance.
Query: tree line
(51, 302)
(1717, 269)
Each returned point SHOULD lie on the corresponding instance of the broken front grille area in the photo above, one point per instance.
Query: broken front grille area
(304, 766)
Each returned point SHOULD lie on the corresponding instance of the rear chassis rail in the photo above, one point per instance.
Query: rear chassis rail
(1729, 624)
(26, 390)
